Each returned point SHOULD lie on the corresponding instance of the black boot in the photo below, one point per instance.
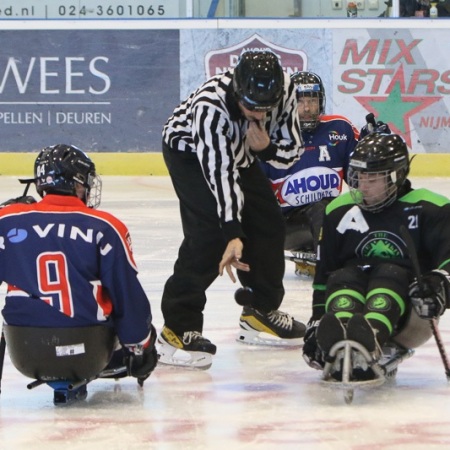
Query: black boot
(360, 330)
(329, 331)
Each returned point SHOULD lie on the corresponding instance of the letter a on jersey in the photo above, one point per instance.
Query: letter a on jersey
(353, 220)
(324, 154)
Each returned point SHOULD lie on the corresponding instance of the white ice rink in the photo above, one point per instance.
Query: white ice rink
(251, 397)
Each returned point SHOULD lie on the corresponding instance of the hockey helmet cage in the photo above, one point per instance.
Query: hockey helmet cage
(382, 154)
(309, 84)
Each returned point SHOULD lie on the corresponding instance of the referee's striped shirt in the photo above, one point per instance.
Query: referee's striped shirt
(210, 124)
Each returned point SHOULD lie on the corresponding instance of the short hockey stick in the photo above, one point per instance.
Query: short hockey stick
(434, 326)
(2, 357)
(371, 124)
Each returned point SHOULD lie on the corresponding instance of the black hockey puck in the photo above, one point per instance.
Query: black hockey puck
(244, 296)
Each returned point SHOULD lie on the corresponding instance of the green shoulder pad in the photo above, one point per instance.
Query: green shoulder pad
(417, 195)
(341, 200)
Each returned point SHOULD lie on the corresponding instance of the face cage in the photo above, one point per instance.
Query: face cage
(311, 124)
(369, 202)
(94, 196)
(308, 125)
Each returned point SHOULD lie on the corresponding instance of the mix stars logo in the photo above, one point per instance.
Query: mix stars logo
(397, 83)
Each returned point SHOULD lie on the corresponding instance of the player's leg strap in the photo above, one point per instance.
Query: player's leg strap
(345, 293)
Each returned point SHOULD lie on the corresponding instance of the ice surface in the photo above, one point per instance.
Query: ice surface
(251, 398)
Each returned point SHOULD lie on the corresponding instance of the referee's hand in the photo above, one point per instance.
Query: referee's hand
(232, 258)
(257, 136)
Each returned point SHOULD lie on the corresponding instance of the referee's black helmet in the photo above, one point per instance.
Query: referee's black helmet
(258, 80)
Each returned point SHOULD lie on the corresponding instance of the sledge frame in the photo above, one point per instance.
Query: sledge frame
(344, 353)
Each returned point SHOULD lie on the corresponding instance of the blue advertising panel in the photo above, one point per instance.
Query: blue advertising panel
(102, 90)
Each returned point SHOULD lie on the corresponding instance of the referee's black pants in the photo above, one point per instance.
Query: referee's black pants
(197, 266)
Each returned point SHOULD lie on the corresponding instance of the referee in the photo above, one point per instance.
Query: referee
(229, 214)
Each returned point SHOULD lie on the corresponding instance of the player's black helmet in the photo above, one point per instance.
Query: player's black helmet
(309, 84)
(59, 168)
(383, 156)
(258, 80)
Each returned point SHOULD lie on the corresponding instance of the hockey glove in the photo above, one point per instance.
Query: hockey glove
(431, 301)
(311, 352)
(380, 127)
(143, 360)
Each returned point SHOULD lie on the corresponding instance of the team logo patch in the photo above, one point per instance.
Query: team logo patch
(311, 185)
(379, 303)
(16, 235)
(343, 303)
(380, 244)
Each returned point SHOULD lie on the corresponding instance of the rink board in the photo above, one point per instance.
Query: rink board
(142, 164)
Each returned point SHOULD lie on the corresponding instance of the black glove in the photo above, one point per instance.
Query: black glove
(143, 360)
(379, 127)
(311, 352)
(433, 298)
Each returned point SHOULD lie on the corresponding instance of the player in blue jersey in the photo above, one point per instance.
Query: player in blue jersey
(305, 189)
(70, 267)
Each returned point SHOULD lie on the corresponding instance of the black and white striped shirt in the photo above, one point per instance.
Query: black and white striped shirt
(210, 124)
